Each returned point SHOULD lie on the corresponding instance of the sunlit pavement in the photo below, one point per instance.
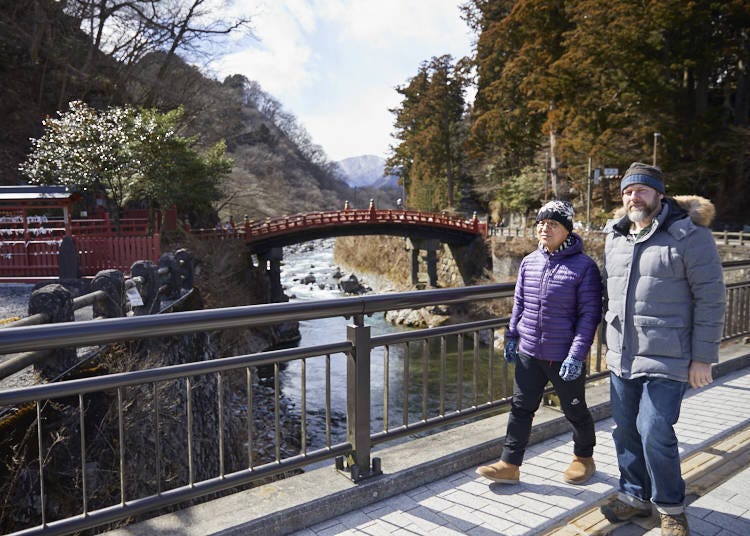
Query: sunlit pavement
(429, 485)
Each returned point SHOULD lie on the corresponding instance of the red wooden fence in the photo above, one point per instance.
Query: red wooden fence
(119, 252)
(40, 257)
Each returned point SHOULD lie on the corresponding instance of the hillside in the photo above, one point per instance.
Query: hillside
(277, 169)
(365, 175)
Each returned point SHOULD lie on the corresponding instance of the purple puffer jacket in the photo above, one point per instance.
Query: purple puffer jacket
(557, 304)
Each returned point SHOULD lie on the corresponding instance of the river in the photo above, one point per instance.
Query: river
(315, 260)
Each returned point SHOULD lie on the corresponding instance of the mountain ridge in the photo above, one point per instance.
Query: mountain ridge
(366, 171)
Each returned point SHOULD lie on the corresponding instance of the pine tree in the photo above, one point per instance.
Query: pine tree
(429, 125)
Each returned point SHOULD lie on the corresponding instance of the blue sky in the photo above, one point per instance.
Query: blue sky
(334, 64)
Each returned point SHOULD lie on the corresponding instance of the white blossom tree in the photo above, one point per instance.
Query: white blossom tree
(126, 154)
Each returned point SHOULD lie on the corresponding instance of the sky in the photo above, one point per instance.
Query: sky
(334, 64)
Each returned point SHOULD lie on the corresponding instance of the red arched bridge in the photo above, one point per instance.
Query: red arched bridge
(426, 230)
(262, 235)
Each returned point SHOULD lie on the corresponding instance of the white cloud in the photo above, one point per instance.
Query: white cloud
(334, 63)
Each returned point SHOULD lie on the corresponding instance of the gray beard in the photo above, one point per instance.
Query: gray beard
(646, 213)
(637, 216)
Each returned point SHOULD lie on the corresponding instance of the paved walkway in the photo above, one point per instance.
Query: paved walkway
(714, 434)
(429, 485)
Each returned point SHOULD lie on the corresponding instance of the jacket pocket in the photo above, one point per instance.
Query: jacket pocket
(660, 336)
(613, 333)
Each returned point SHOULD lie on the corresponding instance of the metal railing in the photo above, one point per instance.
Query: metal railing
(427, 383)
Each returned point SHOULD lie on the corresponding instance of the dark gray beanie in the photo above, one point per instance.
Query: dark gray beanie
(639, 173)
(560, 211)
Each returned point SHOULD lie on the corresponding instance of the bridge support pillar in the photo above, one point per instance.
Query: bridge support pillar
(431, 246)
(273, 258)
(414, 266)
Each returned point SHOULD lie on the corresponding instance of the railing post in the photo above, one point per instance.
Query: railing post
(358, 403)
(170, 276)
(57, 303)
(68, 259)
(184, 268)
(149, 288)
(112, 283)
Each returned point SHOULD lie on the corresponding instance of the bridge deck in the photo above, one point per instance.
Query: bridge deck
(302, 227)
(429, 485)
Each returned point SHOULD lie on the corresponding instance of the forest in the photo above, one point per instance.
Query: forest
(566, 87)
(562, 90)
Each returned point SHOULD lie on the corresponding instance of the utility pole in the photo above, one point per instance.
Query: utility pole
(588, 197)
(656, 142)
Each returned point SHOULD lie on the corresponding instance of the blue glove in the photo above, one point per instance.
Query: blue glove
(571, 368)
(511, 349)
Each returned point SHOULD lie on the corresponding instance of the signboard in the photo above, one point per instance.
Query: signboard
(611, 172)
(134, 297)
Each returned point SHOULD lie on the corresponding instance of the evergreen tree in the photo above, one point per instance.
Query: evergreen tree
(595, 78)
(429, 125)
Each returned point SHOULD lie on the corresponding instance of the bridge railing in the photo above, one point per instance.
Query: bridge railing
(252, 230)
(431, 378)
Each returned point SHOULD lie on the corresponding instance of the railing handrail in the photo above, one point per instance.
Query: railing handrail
(19, 339)
(270, 227)
(357, 349)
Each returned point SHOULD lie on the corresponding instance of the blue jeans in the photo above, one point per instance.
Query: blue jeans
(645, 410)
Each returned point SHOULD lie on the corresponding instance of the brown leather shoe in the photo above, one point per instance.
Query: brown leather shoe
(674, 525)
(579, 470)
(501, 472)
(617, 511)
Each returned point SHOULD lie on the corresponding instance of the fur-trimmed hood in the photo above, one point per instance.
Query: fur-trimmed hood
(700, 209)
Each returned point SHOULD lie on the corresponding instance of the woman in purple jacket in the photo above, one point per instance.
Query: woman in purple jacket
(557, 308)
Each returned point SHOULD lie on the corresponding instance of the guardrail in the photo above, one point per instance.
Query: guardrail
(739, 238)
(474, 382)
(89, 254)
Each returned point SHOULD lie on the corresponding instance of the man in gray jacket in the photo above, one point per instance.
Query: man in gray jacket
(664, 314)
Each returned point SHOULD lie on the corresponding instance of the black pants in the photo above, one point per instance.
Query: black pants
(530, 378)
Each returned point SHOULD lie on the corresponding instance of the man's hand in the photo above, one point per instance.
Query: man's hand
(699, 374)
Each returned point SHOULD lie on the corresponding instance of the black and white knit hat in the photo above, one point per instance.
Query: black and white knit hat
(560, 211)
(640, 173)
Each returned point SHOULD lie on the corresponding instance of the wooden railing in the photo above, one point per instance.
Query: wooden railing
(252, 230)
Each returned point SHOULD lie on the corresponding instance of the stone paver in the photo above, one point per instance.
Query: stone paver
(465, 503)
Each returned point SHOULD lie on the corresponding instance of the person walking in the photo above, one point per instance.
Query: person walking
(665, 301)
(556, 309)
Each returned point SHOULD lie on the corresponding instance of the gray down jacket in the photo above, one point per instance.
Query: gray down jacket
(665, 293)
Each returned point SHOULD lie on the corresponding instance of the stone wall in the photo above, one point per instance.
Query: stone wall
(387, 260)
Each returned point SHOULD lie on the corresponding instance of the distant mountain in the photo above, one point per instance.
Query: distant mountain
(366, 172)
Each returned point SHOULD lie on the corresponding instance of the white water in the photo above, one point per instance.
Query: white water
(316, 259)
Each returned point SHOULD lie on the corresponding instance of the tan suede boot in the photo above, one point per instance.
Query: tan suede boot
(579, 470)
(501, 472)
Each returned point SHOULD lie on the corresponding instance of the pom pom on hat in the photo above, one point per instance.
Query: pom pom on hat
(560, 211)
(639, 173)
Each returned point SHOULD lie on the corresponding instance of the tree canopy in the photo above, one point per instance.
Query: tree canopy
(127, 154)
(559, 82)
(429, 125)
